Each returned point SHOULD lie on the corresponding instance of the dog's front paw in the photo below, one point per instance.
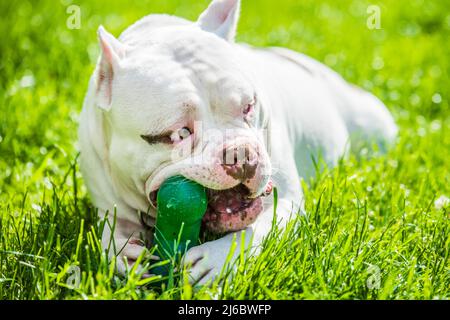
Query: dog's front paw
(205, 262)
(129, 252)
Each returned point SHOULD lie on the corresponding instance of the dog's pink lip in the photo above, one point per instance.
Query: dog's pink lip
(151, 185)
(152, 195)
(231, 210)
(156, 179)
(247, 196)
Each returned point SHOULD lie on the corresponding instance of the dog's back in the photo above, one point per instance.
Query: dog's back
(367, 119)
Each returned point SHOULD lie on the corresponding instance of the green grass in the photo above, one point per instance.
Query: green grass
(366, 215)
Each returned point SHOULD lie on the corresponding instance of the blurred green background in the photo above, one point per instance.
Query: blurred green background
(44, 71)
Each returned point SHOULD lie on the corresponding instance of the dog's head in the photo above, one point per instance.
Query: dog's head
(178, 99)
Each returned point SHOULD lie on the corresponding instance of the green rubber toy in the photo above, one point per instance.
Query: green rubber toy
(181, 204)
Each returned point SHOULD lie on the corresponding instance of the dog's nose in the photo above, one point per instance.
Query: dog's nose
(240, 162)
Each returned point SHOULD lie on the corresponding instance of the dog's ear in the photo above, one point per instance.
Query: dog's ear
(112, 51)
(221, 18)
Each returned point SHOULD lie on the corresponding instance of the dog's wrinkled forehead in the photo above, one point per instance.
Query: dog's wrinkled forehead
(184, 72)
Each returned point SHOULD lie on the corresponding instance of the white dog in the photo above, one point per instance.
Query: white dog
(248, 117)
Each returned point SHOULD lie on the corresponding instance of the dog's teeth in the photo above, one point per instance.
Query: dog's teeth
(228, 210)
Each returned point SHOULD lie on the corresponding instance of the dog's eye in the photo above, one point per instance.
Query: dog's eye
(184, 133)
(181, 134)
